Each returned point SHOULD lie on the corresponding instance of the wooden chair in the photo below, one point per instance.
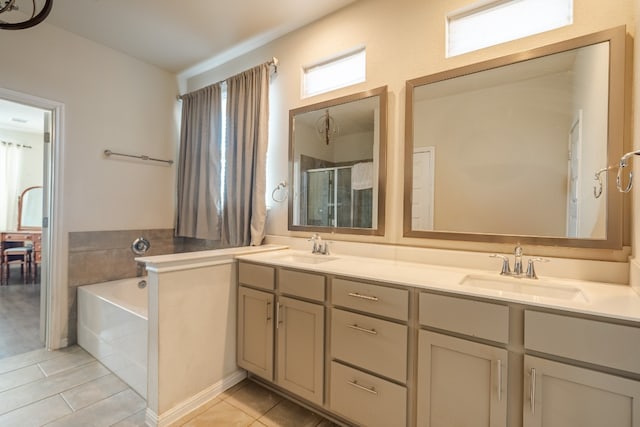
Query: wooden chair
(17, 255)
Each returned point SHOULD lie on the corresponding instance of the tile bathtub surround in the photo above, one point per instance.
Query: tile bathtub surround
(102, 256)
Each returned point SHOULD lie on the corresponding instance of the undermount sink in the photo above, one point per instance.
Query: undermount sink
(523, 286)
(306, 259)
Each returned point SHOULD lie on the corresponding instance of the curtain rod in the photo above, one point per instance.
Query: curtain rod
(274, 61)
(16, 144)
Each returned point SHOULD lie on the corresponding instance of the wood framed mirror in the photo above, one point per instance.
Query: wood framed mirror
(30, 209)
(507, 150)
(337, 164)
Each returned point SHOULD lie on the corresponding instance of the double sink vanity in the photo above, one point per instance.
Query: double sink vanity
(376, 342)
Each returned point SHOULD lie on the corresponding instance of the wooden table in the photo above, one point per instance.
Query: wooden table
(10, 239)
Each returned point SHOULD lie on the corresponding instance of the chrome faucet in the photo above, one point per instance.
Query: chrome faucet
(517, 264)
(319, 246)
(141, 269)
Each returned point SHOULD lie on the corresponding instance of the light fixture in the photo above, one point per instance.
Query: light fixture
(326, 127)
(38, 14)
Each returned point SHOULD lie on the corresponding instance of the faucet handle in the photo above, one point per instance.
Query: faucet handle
(506, 270)
(317, 243)
(531, 271)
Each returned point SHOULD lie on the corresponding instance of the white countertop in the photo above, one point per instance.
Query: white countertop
(600, 299)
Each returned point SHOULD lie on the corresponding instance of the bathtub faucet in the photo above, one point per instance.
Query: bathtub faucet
(141, 269)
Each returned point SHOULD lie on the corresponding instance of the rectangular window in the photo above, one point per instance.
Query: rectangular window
(492, 22)
(338, 72)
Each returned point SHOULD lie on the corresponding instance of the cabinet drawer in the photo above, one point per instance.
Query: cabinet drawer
(260, 276)
(380, 300)
(304, 285)
(475, 318)
(590, 341)
(366, 399)
(18, 237)
(373, 344)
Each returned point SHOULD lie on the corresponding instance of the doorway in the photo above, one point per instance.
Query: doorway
(30, 128)
(22, 171)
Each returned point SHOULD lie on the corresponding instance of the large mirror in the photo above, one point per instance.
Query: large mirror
(508, 150)
(337, 164)
(30, 209)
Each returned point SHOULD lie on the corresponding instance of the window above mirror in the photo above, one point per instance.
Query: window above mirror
(337, 164)
(507, 150)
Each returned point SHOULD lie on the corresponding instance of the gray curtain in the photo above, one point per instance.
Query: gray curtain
(199, 185)
(244, 204)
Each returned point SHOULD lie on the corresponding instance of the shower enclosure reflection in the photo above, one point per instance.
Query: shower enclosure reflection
(330, 200)
(337, 164)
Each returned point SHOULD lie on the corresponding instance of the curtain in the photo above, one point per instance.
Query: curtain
(10, 159)
(244, 204)
(199, 174)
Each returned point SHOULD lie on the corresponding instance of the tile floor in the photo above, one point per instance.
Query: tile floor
(250, 404)
(70, 388)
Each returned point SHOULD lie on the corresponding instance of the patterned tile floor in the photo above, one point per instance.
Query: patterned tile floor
(69, 388)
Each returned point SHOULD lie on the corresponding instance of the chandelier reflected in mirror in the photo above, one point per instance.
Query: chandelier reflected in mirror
(326, 127)
(21, 14)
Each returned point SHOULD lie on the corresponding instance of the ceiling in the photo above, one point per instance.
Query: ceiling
(177, 36)
(22, 118)
(174, 36)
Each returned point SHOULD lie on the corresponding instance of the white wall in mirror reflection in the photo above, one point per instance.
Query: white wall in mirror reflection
(503, 144)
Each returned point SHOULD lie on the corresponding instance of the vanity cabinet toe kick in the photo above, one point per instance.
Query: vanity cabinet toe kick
(396, 356)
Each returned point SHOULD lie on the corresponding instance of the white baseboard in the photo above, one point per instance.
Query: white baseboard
(194, 402)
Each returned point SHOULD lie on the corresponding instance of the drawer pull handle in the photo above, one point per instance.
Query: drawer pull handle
(367, 297)
(361, 329)
(499, 380)
(371, 390)
(533, 391)
(268, 311)
(278, 318)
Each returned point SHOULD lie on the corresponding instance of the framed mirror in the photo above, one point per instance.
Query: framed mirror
(508, 150)
(30, 209)
(337, 164)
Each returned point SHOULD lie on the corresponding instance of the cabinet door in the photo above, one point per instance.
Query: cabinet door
(560, 395)
(255, 332)
(300, 357)
(460, 383)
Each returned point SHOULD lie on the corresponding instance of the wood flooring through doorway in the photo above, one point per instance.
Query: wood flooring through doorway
(19, 316)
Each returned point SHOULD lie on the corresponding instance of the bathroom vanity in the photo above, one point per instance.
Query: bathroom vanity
(387, 343)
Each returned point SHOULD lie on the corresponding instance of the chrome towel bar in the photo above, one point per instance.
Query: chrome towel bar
(109, 153)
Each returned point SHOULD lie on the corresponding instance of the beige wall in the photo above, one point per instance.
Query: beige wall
(404, 39)
(487, 171)
(111, 101)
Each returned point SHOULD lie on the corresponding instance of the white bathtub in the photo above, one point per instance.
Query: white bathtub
(112, 326)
